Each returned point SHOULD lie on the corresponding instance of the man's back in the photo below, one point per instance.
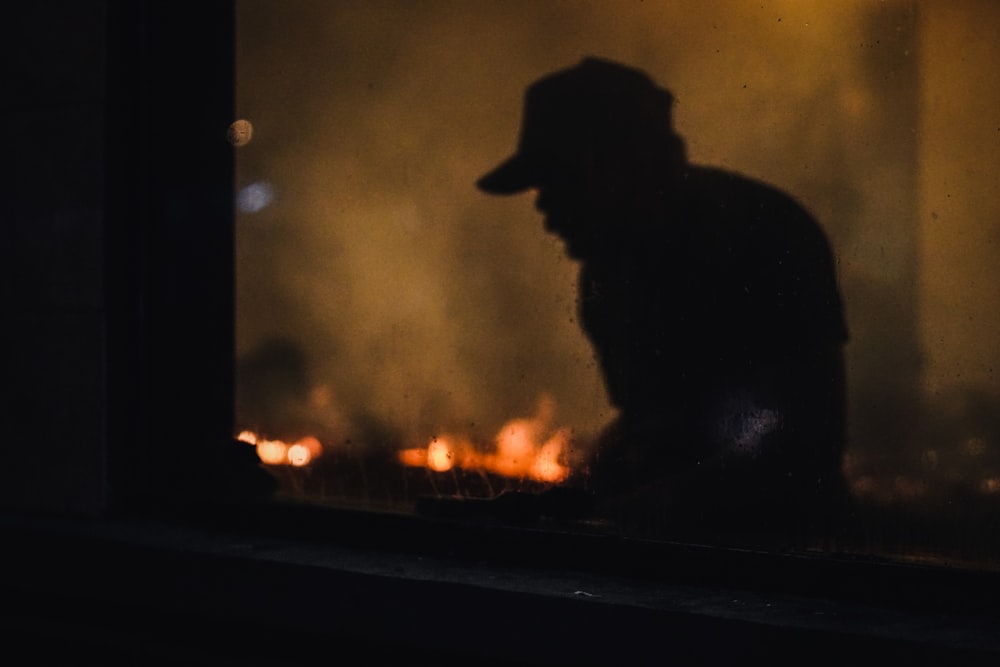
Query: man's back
(719, 329)
(710, 299)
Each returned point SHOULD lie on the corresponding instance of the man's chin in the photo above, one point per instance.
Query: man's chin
(572, 250)
(571, 245)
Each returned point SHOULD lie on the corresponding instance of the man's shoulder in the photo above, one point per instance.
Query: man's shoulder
(717, 186)
(763, 233)
(739, 205)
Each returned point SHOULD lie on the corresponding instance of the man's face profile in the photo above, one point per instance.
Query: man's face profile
(579, 204)
(566, 217)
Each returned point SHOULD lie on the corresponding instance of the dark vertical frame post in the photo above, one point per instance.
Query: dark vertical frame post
(170, 247)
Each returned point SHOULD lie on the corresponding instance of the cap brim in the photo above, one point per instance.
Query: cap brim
(512, 176)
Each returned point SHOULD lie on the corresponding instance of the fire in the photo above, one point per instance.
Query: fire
(248, 437)
(414, 457)
(440, 455)
(523, 447)
(516, 447)
(547, 467)
(278, 452)
(272, 452)
(298, 455)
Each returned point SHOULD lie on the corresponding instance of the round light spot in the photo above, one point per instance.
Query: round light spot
(254, 197)
(240, 133)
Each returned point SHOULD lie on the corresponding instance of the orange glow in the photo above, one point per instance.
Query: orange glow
(299, 455)
(440, 455)
(443, 453)
(240, 133)
(272, 452)
(415, 457)
(515, 448)
(524, 451)
(547, 467)
(312, 445)
(523, 447)
(278, 452)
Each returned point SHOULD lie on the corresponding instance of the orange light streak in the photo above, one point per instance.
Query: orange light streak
(279, 452)
(525, 447)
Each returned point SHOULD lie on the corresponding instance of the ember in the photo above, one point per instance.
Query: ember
(525, 447)
(440, 456)
(278, 452)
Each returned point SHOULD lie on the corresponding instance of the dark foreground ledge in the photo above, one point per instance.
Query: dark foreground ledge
(258, 591)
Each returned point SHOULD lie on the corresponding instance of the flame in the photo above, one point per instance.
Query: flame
(298, 455)
(312, 444)
(278, 452)
(248, 437)
(523, 447)
(516, 448)
(272, 452)
(547, 467)
(440, 455)
(414, 457)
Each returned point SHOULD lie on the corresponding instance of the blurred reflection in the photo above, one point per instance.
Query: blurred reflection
(711, 301)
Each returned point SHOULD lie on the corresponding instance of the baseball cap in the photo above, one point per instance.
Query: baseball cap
(597, 105)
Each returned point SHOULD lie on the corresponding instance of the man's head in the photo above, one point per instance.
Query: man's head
(591, 136)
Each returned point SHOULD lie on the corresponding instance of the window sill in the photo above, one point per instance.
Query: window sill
(170, 589)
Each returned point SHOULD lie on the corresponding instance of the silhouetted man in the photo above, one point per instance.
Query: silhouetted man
(710, 299)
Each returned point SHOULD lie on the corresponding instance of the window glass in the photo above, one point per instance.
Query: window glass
(409, 341)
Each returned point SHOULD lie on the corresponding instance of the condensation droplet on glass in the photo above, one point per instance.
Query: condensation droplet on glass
(240, 133)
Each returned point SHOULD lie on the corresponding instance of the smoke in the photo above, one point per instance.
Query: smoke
(430, 306)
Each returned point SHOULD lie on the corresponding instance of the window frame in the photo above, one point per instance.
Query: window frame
(169, 269)
(169, 259)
